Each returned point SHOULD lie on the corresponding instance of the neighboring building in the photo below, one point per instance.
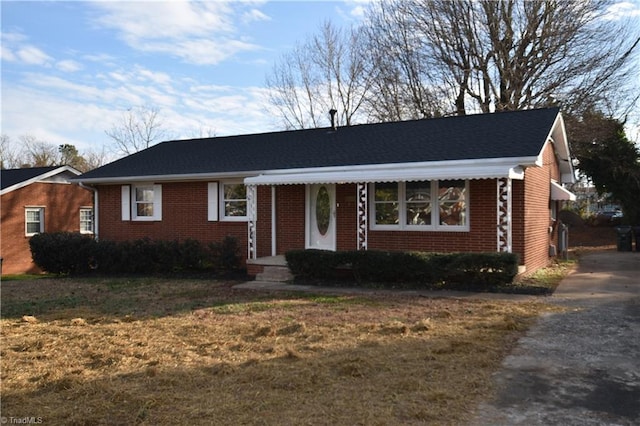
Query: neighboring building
(488, 182)
(35, 200)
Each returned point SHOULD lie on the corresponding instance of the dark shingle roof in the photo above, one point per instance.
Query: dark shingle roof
(482, 136)
(10, 177)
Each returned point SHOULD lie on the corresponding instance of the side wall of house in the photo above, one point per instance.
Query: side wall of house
(61, 203)
(533, 229)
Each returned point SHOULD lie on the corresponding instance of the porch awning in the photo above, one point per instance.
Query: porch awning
(406, 172)
(559, 193)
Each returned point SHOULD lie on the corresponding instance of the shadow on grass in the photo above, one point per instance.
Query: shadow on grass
(131, 297)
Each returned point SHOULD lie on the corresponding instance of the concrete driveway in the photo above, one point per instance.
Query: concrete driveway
(581, 366)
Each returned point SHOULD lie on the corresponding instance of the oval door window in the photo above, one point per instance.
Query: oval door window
(323, 210)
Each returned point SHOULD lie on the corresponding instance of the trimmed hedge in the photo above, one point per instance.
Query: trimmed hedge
(74, 253)
(404, 269)
(62, 252)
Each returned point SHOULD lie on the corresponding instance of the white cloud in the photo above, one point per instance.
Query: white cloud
(31, 55)
(155, 77)
(6, 54)
(69, 65)
(15, 49)
(353, 10)
(56, 119)
(197, 32)
(624, 9)
(254, 15)
(165, 19)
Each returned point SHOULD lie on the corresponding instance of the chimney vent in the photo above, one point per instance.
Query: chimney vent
(332, 113)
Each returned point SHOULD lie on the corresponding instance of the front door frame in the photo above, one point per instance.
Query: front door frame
(311, 236)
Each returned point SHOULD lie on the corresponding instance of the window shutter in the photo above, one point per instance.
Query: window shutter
(212, 202)
(126, 202)
(157, 202)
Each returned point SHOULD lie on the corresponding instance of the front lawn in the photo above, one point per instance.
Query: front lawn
(187, 351)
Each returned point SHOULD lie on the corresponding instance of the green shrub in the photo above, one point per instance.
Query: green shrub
(406, 269)
(72, 253)
(62, 252)
(226, 254)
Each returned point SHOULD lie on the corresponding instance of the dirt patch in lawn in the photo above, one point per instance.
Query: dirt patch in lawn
(149, 351)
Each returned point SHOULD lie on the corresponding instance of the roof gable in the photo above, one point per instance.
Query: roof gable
(12, 179)
(516, 134)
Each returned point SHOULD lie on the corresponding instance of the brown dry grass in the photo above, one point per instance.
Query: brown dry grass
(146, 351)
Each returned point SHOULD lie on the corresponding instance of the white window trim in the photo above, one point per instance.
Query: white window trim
(157, 203)
(92, 220)
(223, 217)
(33, 208)
(435, 212)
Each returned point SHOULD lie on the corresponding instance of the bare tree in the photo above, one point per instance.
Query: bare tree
(10, 156)
(503, 55)
(410, 78)
(140, 128)
(38, 153)
(94, 159)
(29, 151)
(325, 72)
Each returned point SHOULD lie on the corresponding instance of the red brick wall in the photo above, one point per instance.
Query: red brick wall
(263, 224)
(481, 235)
(531, 201)
(184, 216)
(290, 216)
(61, 204)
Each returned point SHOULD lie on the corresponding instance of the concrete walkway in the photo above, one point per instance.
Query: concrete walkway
(581, 366)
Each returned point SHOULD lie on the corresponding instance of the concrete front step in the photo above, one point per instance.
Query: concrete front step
(275, 273)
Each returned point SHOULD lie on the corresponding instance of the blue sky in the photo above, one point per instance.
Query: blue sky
(70, 69)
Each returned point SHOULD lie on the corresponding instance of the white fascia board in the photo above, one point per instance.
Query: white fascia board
(558, 135)
(458, 169)
(193, 177)
(41, 177)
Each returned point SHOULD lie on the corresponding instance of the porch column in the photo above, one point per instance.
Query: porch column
(362, 216)
(252, 216)
(504, 214)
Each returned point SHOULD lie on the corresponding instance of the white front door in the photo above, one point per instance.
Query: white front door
(321, 217)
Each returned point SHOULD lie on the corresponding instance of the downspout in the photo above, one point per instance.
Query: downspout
(273, 220)
(95, 207)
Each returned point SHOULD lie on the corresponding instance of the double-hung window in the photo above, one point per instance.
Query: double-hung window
(86, 220)
(33, 220)
(142, 202)
(143, 198)
(420, 205)
(233, 199)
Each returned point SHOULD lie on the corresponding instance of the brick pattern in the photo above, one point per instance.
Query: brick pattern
(290, 217)
(539, 231)
(61, 202)
(185, 216)
(480, 237)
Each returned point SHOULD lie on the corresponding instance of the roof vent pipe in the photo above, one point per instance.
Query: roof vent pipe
(332, 113)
